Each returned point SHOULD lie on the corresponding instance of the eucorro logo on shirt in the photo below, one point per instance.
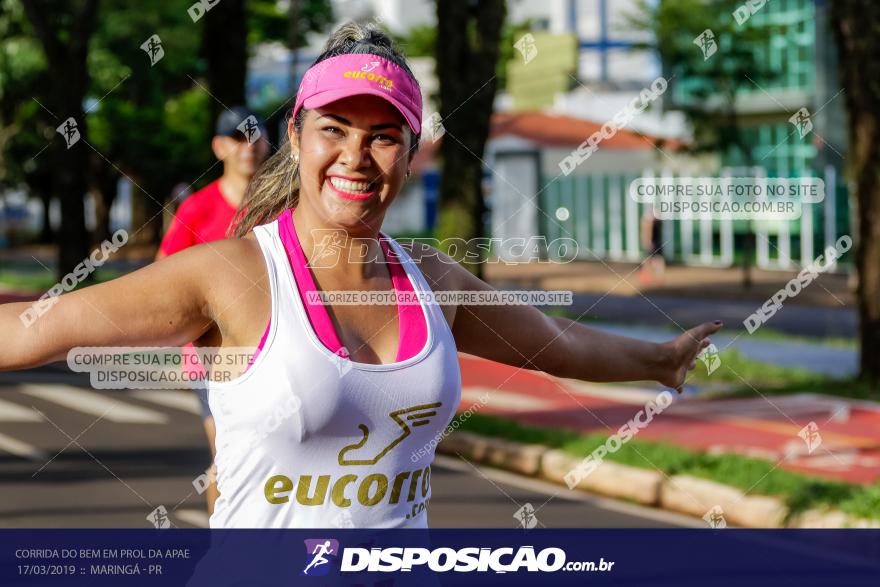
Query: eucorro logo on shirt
(371, 489)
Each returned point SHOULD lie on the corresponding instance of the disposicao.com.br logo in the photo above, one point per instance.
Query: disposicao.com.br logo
(444, 559)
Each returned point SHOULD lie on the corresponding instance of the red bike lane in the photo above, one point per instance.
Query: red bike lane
(845, 435)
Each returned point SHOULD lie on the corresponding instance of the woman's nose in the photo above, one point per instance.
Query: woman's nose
(355, 152)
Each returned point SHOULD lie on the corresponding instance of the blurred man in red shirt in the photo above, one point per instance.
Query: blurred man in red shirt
(240, 143)
(206, 215)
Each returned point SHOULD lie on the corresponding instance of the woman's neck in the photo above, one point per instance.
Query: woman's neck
(336, 250)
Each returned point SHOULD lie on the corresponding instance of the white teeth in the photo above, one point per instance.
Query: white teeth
(349, 186)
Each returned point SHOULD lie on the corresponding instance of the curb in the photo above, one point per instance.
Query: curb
(611, 479)
(695, 496)
(680, 493)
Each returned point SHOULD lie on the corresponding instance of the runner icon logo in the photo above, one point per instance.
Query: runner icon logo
(321, 552)
(709, 357)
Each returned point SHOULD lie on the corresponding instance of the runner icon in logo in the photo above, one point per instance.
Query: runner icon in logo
(417, 416)
(320, 549)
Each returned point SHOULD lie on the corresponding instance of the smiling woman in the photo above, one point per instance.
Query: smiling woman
(359, 95)
(338, 397)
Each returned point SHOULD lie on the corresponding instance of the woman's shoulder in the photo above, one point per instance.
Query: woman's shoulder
(439, 269)
(238, 256)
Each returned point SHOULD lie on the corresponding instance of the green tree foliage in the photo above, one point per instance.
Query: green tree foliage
(64, 32)
(151, 123)
(148, 122)
(705, 90)
(25, 127)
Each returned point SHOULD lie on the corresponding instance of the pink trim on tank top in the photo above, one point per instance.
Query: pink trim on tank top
(413, 330)
(260, 346)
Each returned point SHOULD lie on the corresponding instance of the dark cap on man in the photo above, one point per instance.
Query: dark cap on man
(239, 122)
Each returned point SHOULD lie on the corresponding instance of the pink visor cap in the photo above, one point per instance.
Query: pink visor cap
(363, 73)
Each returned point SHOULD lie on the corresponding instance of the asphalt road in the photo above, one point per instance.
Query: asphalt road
(71, 456)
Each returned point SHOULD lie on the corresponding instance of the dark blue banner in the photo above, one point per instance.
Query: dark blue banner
(391, 558)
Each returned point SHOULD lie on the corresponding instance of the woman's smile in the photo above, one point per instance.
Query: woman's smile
(351, 189)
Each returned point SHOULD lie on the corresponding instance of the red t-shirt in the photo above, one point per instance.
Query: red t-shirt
(203, 217)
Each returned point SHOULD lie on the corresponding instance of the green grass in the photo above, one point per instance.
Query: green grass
(26, 281)
(771, 335)
(852, 388)
(754, 476)
(739, 376)
(41, 280)
(737, 368)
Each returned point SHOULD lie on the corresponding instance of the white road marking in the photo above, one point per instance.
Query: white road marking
(179, 400)
(95, 404)
(624, 394)
(21, 449)
(196, 518)
(12, 412)
(498, 399)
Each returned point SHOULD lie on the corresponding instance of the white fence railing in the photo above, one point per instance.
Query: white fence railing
(598, 213)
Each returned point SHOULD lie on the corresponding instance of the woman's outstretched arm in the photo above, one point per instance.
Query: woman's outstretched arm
(162, 304)
(523, 336)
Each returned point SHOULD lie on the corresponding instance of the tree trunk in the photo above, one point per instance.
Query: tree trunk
(142, 233)
(225, 47)
(39, 183)
(466, 73)
(106, 179)
(66, 60)
(293, 40)
(856, 25)
(70, 186)
(47, 235)
(749, 242)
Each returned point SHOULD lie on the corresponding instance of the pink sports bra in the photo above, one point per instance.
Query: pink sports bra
(413, 328)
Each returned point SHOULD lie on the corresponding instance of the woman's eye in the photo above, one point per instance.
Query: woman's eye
(386, 138)
(332, 129)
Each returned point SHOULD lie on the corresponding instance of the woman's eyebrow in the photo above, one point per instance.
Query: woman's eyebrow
(345, 121)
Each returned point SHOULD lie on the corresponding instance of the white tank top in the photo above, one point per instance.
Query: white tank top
(308, 439)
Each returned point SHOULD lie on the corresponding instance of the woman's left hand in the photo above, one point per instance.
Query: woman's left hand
(680, 355)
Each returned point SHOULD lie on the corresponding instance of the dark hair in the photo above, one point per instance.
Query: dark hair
(275, 187)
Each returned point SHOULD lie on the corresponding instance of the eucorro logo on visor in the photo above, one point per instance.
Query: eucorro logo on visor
(355, 74)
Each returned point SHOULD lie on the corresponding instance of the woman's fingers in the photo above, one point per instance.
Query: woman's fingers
(705, 329)
(691, 351)
(700, 334)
